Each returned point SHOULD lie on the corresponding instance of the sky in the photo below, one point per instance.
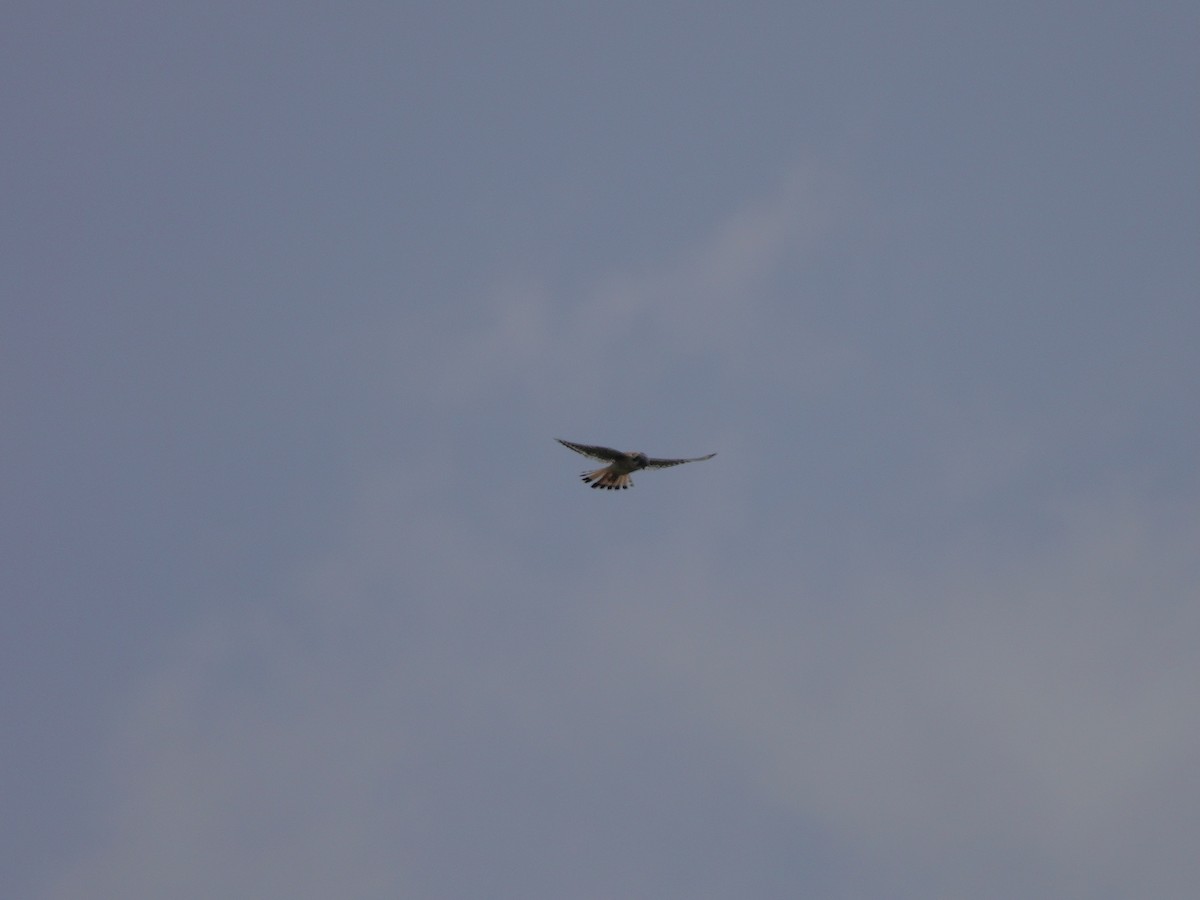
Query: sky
(302, 599)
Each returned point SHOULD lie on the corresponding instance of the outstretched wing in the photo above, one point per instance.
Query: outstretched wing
(664, 463)
(595, 452)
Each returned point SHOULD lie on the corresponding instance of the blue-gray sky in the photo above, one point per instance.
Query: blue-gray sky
(303, 601)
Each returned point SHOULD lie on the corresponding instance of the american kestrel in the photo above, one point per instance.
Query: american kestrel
(615, 477)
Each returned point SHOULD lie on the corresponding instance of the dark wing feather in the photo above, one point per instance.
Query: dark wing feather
(664, 463)
(595, 452)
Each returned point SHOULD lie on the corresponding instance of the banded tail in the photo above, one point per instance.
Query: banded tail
(607, 479)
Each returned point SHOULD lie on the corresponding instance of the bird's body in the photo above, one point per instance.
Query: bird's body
(615, 476)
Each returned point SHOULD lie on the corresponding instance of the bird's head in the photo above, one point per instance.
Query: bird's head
(640, 460)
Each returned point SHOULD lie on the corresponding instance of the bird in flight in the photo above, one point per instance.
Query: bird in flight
(615, 476)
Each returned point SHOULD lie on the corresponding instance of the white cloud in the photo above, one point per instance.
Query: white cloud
(713, 305)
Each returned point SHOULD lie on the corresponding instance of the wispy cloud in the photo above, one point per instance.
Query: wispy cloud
(420, 700)
(715, 305)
